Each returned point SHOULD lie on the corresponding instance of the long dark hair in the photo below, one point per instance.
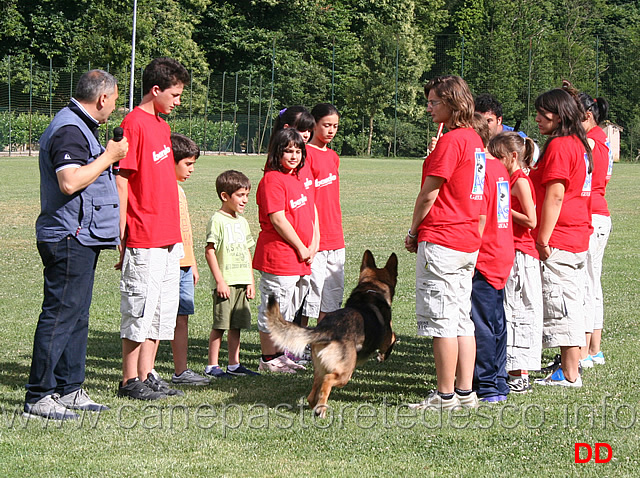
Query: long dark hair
(599, 107)
(560, 102)
(297, 117)
(281, 141)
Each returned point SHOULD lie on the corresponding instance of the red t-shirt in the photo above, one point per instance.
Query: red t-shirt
(602, 168)
(452, 222)
(294, 195)
(564, 158)
(153, 211)
(522, 238)
(495, 258)
(324, 165)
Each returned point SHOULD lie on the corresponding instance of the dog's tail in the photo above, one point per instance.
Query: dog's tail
(287, 334)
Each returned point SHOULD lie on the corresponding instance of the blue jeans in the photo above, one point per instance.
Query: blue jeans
(487, 313)
(60, 341)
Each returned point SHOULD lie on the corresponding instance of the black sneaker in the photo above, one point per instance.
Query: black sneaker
(159, 385)
(241, 371)
(139, 390)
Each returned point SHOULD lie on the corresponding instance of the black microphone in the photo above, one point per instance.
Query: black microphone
(118, 134)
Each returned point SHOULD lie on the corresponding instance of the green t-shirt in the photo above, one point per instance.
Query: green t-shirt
(231, 239)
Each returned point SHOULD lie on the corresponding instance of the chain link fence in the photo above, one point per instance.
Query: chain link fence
(234, 112)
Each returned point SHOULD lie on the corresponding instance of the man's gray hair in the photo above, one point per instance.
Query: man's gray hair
(93, 84)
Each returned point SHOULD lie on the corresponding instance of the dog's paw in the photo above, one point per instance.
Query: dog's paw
(320, 411)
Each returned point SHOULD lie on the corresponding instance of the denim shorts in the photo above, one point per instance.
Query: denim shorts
(186, 305)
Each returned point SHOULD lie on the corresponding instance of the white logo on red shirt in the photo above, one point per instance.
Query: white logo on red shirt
(478, 175)
(586, 187)
(298, 202)
(308, 183)
(326, 181)
(504, 209)
(159, 156)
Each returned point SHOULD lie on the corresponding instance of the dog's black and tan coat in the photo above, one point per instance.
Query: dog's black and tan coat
(347, 337)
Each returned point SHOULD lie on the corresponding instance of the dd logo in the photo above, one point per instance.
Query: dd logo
(597, 447)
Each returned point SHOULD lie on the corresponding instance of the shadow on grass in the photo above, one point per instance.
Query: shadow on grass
(409, 371)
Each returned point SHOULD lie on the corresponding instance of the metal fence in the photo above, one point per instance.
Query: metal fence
(233, 112)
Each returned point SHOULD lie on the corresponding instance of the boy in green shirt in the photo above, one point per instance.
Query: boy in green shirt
(229, 258)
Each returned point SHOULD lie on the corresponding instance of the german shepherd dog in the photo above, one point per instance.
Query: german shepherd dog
(347, 337)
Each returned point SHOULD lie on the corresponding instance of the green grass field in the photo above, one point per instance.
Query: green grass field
(259, 426)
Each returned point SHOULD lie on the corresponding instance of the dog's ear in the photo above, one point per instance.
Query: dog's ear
(392, 265)
(367, 261)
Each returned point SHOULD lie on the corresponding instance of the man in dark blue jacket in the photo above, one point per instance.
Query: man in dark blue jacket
(79, 217)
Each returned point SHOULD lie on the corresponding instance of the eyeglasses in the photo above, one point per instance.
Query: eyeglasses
(433, 103)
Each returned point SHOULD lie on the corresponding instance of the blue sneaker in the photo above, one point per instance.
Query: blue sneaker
(598, 358)
(217, 372)
(494, 399)
(241, 371)
(557, 378)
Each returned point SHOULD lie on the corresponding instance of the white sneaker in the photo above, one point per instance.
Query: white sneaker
(468, 401)
(50, 408)
(435, 402)
(598, 358)
(519, 384)
(80, 400)
(274, 365)
(290, 363)
(586, 362)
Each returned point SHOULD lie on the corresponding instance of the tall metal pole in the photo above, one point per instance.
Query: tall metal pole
(133, 54)
(9, 85)
(597, 64)
(333, 68)
(235, 115)
(50, 88)
(462, 56)
(30, 102)
(224, 74)
(273, 76)
(529, 85)
(395, 108)
(190, 102)
(246, 149)
(206, 112)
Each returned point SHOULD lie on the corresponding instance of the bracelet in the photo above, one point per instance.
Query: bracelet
(542, 245)
(412, 236)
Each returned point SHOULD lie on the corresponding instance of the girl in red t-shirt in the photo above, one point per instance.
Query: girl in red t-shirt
(523, 291)
(562, 182)
(597, 110)
(444, 232)
(288, 238)
(327, 271)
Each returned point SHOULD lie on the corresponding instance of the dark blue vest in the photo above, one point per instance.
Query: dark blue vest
(91, 215)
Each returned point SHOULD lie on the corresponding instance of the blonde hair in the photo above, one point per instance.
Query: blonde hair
(503, 144)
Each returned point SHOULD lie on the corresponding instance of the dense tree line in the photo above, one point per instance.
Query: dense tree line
(370, 57)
